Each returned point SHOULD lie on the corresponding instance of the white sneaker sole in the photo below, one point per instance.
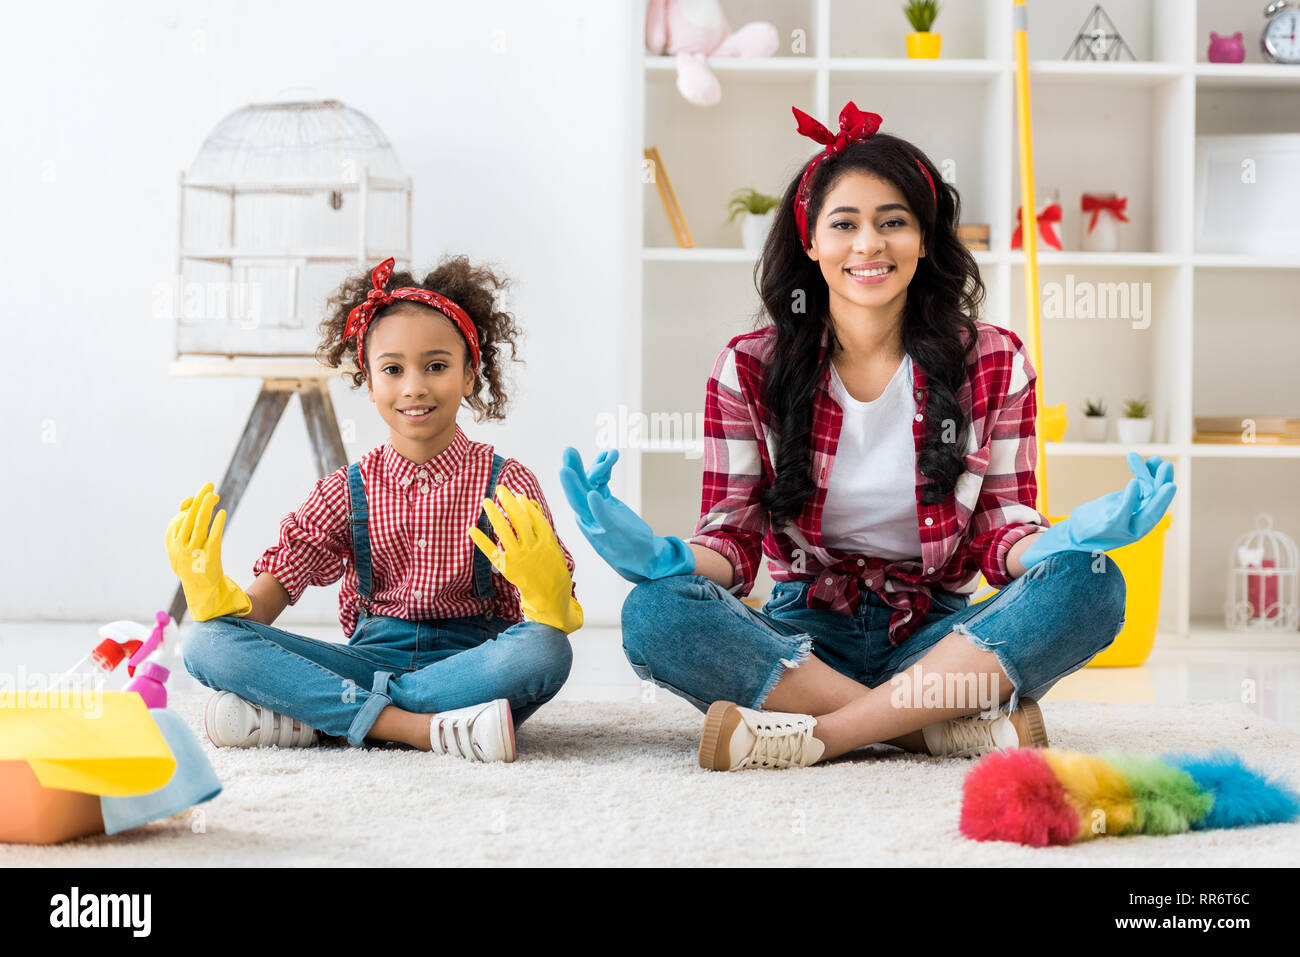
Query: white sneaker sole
(508, 721)
(720, 722)
(220, 737)
(497, 711)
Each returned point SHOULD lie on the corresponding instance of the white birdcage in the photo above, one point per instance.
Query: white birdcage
(282, 201)
(1263, 581)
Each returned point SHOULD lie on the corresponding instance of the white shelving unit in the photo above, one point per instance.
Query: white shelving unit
(1220, 334)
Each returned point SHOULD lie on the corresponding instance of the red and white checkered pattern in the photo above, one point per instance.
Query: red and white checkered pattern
(992, 507)
(420, 551)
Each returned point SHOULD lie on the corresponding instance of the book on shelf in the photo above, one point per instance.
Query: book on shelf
(1236, 424)
(974, 236)
(1235, 438)
(1234, 430)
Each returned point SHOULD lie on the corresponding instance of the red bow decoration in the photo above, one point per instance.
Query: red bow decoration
(1095, 205)
(1052, 214)
(377, 298)
(854, 125)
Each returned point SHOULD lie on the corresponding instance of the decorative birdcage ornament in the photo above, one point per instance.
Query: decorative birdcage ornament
(1263, 581)
(281, 202)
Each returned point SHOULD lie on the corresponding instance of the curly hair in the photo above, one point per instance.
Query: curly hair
(474, 288)
(942, 301)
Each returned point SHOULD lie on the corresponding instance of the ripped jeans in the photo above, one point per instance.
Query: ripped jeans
(691, 636)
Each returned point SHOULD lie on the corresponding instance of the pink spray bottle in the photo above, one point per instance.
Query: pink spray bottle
(148, 676)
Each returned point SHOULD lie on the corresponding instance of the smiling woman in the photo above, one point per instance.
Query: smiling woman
(875, 442)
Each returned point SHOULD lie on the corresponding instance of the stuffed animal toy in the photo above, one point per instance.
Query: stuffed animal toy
(1043, 796)
(695, 30)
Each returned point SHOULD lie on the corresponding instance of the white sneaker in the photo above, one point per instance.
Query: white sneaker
(232, 722)
(736, 738)
(975, 734)
(481, 732)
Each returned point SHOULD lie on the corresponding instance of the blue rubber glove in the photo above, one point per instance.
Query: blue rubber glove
(617, 533)
(1114, 520)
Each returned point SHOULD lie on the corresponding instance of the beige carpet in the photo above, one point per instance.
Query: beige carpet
(602, 783)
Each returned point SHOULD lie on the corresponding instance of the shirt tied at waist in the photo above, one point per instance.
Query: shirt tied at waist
(838, 588)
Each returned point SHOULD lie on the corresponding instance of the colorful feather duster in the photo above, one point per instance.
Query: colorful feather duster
(1042, 796)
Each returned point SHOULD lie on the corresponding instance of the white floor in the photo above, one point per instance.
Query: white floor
(1265, 680)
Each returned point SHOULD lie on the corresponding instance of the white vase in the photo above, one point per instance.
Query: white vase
(1094, 428)
(1104, 237)
(754, 229)
(1134, 431)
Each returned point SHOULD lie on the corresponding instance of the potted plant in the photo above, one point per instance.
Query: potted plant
(758, 209)
(1135, 427)
(922, 44)
(1094, 421)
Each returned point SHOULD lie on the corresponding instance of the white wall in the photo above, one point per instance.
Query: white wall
(507, 117)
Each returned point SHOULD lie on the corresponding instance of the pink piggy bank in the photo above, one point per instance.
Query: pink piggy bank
(1226, 49)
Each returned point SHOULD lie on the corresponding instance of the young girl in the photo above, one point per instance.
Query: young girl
(877, 444)
(437, 655)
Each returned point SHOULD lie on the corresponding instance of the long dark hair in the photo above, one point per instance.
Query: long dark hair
(943, 299)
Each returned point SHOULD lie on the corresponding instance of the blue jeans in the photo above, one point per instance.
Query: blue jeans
(419, 666)
(689, 635)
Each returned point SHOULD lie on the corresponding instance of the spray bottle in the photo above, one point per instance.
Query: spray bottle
(148, 675)
(106, 656)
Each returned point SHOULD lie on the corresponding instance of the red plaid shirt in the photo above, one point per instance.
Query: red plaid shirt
(992, 507)
(421, 555)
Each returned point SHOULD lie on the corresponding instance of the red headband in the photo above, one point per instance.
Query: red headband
(854, 125)
(376, 299)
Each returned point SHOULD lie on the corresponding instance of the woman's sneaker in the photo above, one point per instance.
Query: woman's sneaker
(481, 732)
(735, 738)
(975, 734)
(232, 722)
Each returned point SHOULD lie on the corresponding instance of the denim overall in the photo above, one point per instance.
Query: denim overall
(359, 522)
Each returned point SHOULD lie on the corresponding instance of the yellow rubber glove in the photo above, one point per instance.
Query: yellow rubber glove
(530, 558)
(195, 556)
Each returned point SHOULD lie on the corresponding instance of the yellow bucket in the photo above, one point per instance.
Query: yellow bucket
(1142, 564)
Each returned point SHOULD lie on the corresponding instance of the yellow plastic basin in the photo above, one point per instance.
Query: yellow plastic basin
(1142, 564)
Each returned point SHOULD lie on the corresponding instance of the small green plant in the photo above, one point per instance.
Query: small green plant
(1135, 409)
(750, 200)
(1094, 409)
(921, 13)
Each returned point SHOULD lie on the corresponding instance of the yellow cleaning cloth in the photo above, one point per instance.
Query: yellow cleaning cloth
(103, 743)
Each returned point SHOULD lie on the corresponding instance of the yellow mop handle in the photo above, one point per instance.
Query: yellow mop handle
(1029, 233)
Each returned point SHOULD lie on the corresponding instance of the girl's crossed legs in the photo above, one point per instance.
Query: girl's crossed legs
(390, 678)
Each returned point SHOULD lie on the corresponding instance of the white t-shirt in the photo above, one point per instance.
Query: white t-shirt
(871, 496)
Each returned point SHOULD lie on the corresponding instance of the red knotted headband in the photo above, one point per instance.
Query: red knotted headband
(854, 125)
(377, 298)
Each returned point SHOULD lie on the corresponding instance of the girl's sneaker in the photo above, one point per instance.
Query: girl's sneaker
(481, 732)
(736, 738)
(232, 722)
(975, 734)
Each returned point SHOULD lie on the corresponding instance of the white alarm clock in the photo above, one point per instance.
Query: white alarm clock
(1280, 41)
